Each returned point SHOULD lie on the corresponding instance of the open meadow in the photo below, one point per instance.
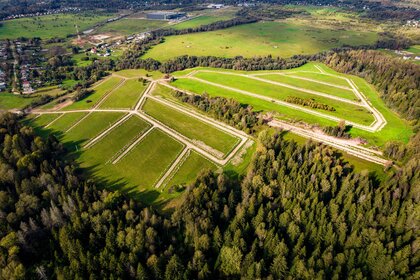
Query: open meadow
(50, 26)
(260, 39)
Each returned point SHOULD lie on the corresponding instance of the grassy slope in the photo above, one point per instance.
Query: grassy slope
(127, 26)
(343, 110)
(49, 26)
(126, 96)
(262, 38)
(191, 127)
(311, 85)
(99, 91)
(322, 77)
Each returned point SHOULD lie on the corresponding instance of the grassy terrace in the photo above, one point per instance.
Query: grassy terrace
(126, 96)
(339, 92)
(321, 77)
(191, 127)
(100, 91)
(49, 26)
(343, 110)
(260, 39)
(199, 21)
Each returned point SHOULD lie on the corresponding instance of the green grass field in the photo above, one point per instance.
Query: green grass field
(49, 26)
(126, 96)
(66, 121)
(321, 77)
(12, 101)
(343, 110)
(91, 126)
(259, 39)
(257, 104)
(149, 160)
(191, 127)
(343, 93)
(187, 172)
(103, 150)
(127, 26)
(100, 90)
(199, 21)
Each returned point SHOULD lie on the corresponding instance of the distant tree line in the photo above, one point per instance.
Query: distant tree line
(300, 211)
(309, 102)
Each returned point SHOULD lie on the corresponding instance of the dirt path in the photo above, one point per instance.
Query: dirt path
(171, 168)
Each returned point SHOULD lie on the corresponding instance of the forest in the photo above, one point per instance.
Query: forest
(299, 212)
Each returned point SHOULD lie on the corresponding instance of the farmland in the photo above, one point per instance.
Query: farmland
(282, 39)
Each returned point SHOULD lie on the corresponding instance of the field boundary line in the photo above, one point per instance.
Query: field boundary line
(184, 159)
(53, 121)
(106, 131)
(140, 102)
(130, 145)
(108, 93)
(79, 121)
(181, 157)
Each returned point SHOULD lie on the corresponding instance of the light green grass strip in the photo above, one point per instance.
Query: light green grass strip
(191, 127)
(66, 121)
(126, 96)
(99, 92)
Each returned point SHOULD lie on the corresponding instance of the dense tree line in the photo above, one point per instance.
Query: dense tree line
(267, 12)
(229, 111)
(300, 212)
(207, 27)
(309, 102)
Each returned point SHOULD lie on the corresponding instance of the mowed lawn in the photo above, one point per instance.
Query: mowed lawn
(282, 112)
(191, 127)
(66, 121)
(99, 91)
(148, 160)
(342, 110)
(311, 85)
(91, 126)
(259, 39)
(125, 96)
(106, 148)
(49, 26)
(189, 169)
(127, 26)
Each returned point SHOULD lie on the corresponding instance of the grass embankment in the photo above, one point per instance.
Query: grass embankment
(191, 127)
